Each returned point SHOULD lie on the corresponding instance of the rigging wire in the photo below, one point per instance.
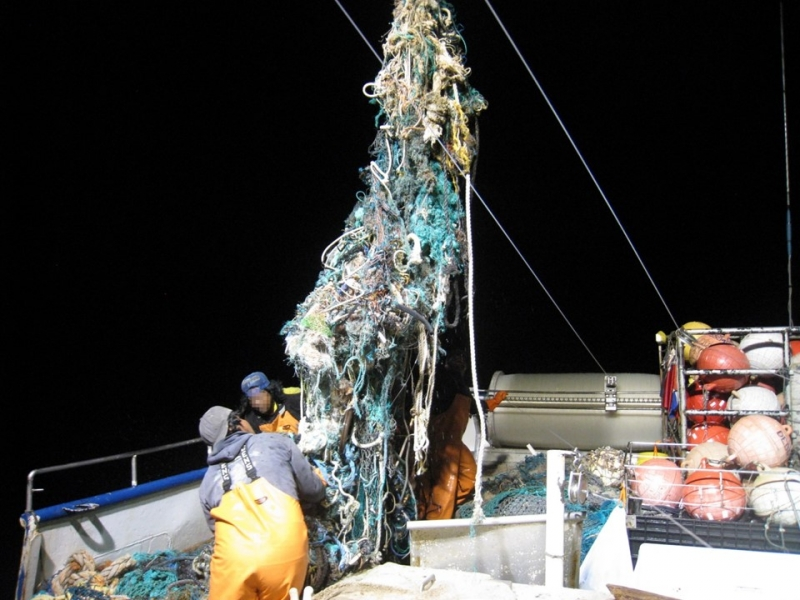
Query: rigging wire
(786, 159)
(583, 161)
(361, 33)
(519, 253)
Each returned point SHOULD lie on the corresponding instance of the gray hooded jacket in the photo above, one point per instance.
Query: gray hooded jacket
(276, 458)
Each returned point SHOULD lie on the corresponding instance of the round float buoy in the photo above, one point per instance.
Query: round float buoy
(775, 496)
(714, 495)
(760, 440)
(753, 398)
(712, 452)
(763, 350)
(699, 399)
(657, 482)
(643, 457)
(722, 357)
(689, 355)
(705, 432)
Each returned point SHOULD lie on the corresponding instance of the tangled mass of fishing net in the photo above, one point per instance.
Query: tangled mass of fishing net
(139, 576)
(365, 343)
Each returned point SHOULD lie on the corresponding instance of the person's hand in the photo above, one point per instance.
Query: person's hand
(245, 426)
(321, 469)
(319, 474)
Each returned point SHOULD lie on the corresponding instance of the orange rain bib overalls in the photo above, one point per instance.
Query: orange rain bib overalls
(261, 541)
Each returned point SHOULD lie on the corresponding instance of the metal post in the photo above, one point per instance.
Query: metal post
(554, 526)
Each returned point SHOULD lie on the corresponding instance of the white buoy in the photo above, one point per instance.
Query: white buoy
(763, 350)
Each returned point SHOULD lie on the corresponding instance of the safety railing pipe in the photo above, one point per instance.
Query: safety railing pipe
(96, 461)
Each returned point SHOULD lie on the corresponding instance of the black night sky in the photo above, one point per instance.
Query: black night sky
(177, 171)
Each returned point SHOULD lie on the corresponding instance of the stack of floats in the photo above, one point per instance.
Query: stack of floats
(726, 474)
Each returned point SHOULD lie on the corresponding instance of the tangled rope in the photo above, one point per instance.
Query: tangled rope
(365, 343)
(166, 574)
(81, 573)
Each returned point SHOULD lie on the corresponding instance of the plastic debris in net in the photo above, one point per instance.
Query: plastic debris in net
(366, 341)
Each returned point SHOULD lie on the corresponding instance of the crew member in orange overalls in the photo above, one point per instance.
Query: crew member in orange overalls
(251, 495)
(450, 478)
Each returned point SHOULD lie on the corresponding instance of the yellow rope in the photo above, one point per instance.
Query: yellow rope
(80, 571)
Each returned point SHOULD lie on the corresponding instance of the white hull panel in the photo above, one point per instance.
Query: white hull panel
(162, 515)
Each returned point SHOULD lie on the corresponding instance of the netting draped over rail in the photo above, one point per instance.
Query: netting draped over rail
(365, 343)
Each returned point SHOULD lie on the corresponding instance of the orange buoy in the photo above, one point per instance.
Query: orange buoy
(705, 432)
(657, 482)
(714, 495)
(723, 357)
(699, 399)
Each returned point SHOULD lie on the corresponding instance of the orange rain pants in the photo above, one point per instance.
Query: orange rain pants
(451, 477)
(261, 544)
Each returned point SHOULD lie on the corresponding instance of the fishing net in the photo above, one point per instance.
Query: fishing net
(167, 575)
(522, 490)
(366, 341)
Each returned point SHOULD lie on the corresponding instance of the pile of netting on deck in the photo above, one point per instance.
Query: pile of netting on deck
(365, 342)
(164, 575)
(522, 490)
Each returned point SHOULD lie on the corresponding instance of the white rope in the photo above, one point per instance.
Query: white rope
(477, 513)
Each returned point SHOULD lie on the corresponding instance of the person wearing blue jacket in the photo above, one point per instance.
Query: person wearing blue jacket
(251, 495)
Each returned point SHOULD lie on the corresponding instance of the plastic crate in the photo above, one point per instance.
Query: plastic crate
(735, 535)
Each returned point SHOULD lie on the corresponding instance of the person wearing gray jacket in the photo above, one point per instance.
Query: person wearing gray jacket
(251, 495)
